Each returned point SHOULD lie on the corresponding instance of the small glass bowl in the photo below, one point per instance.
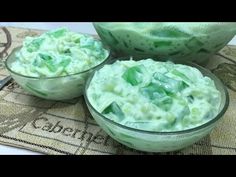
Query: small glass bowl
(52, 88)
(151, 141)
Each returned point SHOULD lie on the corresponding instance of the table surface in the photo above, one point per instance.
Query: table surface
(83, 27)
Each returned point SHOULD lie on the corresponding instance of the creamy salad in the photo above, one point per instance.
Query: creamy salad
(58, 52)
(154, 96)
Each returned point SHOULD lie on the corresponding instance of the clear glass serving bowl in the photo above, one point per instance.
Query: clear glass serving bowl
(164, 40)
(52, 88)
(151, 141)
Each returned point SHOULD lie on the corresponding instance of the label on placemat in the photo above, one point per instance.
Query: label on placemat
(66, 127)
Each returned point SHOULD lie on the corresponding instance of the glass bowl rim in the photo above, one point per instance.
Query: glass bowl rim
(197, 128)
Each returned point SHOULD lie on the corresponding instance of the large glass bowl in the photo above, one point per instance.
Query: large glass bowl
(163, 40)
(151, 141)
(52, 88)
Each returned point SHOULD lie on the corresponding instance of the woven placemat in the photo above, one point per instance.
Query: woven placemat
(32, 123)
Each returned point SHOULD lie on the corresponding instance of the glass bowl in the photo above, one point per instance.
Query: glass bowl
(178, 42)
(151, 141)
(52, 88)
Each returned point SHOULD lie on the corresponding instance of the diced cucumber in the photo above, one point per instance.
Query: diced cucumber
(133, 75)
(153, 91)
(169, 84)
(115, 109)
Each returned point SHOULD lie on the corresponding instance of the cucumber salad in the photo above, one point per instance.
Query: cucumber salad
(58, 52)
(154, 96)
